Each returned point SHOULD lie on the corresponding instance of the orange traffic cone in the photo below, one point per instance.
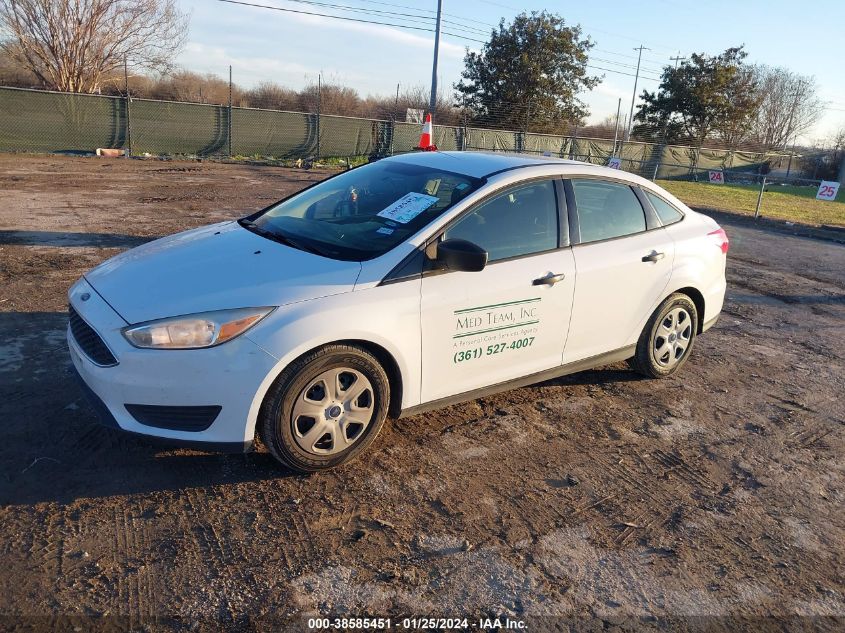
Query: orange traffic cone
(425, 137)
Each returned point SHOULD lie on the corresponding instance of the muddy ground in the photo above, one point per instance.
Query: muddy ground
(601, 497)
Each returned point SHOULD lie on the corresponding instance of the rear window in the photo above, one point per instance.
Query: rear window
(607, 210)
(667, 213)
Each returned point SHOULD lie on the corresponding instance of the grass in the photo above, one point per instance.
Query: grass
(796, 204)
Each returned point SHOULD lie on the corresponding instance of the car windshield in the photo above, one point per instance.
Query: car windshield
(363, 213)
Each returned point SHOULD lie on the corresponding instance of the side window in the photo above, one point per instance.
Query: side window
(665, 211)
(519, 221)
(607, 209)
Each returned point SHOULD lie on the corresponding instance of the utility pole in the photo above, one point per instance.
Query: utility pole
(229, 115)
(319, 109)
(128, 99)
(616, 131)
(433, 101)
(634, 96)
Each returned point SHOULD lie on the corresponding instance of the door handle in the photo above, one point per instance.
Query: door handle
(549, 280)
(653, 256)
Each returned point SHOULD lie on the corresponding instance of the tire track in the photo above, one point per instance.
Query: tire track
(134, 592)
(660, 503)
(219, 555)
(675, 463)
(291, 530)
(52, 551)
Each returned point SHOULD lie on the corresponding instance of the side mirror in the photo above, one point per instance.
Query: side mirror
(461, 255)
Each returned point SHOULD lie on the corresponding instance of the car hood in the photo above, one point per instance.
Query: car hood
(213, 268)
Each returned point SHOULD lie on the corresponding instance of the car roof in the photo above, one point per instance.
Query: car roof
(485, 164)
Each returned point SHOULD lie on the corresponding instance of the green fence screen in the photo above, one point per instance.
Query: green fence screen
(39, 121)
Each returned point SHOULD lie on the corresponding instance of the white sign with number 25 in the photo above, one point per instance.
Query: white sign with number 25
(827, 190)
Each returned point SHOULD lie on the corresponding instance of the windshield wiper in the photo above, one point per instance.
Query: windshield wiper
(280, 238)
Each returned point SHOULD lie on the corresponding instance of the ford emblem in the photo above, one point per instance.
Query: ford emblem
(85, 296)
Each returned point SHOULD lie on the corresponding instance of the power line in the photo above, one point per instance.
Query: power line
(628, 66)
(348, 19)
(411, 17)
(392, 24)
(418, 18)
(631, 65)
(619, 72)
(451, 15)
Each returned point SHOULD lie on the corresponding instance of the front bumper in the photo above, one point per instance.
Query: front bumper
(227, 376)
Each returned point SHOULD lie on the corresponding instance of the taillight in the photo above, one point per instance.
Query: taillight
(720, 238)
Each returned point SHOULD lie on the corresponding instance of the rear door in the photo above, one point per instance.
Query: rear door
(624, 261)
(511, 319)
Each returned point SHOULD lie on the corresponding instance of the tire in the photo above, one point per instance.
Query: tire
(314, 418)
(668, 338)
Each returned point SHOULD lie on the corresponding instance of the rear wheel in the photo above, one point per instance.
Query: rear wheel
(325, 408)
(668, 338)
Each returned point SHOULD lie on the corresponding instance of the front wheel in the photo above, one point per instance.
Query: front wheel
(325, 408)
(668, 337)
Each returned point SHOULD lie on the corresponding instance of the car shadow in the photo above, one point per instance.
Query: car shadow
(52, 450)
(66, 238)
(618, 372)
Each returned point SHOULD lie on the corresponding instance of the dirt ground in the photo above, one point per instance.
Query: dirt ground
(607, 499)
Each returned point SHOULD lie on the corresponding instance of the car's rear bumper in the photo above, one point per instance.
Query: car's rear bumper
(222, 381)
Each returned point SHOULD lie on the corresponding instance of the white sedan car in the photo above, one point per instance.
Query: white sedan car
(407, 284)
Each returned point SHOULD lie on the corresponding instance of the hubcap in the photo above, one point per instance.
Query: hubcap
(672, 337)
(333, 411)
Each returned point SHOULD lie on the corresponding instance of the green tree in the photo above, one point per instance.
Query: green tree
(528, 75)
(705, 96)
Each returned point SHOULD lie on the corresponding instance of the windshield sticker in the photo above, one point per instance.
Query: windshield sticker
(385, 231)
(408, 207)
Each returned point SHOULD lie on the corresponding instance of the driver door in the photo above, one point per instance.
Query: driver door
(511, 319)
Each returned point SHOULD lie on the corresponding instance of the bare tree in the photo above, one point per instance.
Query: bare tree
(272, 96)
(606, 128)
(184, 85)
(789, 106)
(333, 98)
(70, 45)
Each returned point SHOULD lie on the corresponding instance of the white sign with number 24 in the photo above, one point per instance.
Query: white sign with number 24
(717, 177)
(827, 190)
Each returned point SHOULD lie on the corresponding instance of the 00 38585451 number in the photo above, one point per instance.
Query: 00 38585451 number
(491, 350)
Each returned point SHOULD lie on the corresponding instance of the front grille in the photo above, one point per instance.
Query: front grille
(174, 418)
(89, 341)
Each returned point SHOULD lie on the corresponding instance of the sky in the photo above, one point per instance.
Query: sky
(292, 49)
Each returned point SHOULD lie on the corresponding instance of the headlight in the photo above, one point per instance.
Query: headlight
(194, 331)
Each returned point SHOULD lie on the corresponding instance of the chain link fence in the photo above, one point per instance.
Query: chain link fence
(42, 121)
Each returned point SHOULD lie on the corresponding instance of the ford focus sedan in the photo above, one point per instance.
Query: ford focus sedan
(404, 285)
